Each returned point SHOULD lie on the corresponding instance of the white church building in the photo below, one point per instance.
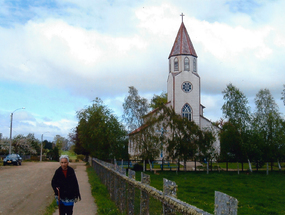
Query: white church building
(184, 85)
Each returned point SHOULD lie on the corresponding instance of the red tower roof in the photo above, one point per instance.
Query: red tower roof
(182, 44)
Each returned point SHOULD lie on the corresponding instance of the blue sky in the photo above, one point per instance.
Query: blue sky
(58, 56)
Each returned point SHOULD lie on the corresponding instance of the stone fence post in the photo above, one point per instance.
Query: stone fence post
(225, 204)
(131, 193)
(144, 203)
(169, 189)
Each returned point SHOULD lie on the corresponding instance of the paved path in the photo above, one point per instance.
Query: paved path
(87, 205)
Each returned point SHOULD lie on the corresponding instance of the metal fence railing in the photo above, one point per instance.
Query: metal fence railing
(210, 166)
(122, 191)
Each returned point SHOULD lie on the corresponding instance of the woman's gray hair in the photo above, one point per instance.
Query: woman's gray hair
(64, 156)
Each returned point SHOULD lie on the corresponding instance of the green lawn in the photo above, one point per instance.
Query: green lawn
(257, 193)
(71, 155)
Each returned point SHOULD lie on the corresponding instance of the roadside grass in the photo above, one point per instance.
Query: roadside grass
(51, 208)
(102, 198)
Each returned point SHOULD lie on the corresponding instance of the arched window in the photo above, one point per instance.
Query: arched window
(169, 65)
(186, 111)
(186, 64)
(194, 65)
(176, 68)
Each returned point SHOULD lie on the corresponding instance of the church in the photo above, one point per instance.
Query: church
(184, 85)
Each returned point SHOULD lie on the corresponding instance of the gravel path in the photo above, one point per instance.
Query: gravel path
(26, 189)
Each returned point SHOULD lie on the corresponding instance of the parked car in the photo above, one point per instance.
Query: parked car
(12, 159)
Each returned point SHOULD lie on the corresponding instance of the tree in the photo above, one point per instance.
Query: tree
(185, 140)
(231, 143)
(135, 107)
(206, 144)
(233, 134)
(47, 145)
(4, 145)
(182, 143)
(145, 141)
(268, 125)
(236, 108)
(35, 143)
(53, 154)
(61, 142)
(26, 144)
(100, 133)
(158, 100)
(283, 94)
(117, 136)
(78, 147)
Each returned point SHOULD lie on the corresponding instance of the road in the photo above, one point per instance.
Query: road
(26, 189)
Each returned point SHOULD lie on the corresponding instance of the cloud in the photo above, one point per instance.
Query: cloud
(61, 56)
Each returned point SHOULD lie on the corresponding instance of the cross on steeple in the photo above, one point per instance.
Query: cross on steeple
(182, 16)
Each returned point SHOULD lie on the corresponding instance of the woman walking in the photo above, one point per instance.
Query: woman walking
(65, 181)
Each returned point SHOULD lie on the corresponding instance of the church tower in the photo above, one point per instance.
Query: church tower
(183, 83)
(183, 89)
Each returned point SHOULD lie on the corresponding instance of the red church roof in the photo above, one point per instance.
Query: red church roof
(182, 44)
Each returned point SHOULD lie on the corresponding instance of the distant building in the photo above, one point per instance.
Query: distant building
(184, 85)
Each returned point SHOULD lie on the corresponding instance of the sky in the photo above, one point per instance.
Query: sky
(57, 56)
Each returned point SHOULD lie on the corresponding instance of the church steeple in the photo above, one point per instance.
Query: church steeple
(182, 44)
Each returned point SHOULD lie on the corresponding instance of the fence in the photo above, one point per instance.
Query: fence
(122, 192)
(174, 165)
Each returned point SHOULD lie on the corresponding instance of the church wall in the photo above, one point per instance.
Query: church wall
(169, 89)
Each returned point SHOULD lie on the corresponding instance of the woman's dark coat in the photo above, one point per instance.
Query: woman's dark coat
(68, 186)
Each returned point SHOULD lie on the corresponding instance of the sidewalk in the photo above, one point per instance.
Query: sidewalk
(87, 205)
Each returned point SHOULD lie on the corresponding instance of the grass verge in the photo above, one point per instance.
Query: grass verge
(51, 208)
(101, 195)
